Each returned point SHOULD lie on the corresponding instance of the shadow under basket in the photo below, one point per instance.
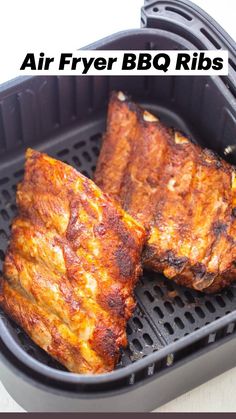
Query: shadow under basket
(178, 338)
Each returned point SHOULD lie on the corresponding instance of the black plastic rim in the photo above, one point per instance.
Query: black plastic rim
(118, 374)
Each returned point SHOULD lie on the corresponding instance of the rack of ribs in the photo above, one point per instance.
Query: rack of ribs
(71, 266)
(184, 195)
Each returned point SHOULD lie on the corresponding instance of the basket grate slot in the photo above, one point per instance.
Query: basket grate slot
(169, 307)
(189, 317)
(3, 236)
(169, 328)
(210, 38)
(5, 215)
(229, 84)
(6, 196)
(63, 152)
(19, 173)
(77, 161)
(232, 63)
(4, 180)
(210, 307)
(179, 12)
(79, 145)
(179, 323)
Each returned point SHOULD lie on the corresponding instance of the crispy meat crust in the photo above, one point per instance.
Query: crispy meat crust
(184, 195)
(71, 266)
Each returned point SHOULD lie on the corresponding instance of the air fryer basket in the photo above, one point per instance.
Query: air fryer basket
(174, 331)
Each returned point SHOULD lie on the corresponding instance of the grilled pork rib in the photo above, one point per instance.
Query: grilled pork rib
(183, 194)
(71, 266)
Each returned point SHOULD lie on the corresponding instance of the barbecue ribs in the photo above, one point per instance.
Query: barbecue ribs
(183, 194)
(71, 266)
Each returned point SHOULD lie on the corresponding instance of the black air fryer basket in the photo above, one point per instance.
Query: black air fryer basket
(178, 338)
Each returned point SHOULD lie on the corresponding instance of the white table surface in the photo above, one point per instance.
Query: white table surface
(77, 23)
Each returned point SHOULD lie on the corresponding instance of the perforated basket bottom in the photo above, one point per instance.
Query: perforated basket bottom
(165, 312)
